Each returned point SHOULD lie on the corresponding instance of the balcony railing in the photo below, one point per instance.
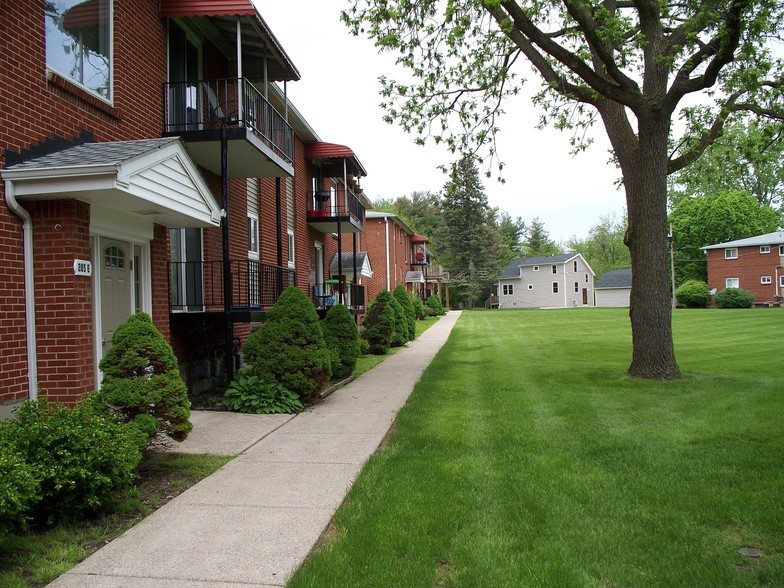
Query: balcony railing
(197, 286)
(328, 295)
(338, 203)
(205, 104)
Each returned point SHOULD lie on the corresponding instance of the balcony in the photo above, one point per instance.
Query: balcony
(336, 211)
(260, 141)
(197, 287)
(327, 295)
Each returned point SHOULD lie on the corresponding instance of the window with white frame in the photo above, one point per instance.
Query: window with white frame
(732, 283)
(781, 249)
(586, 278)
(78, 51)
(575, 265)
(731, 253)
(766, 280)
(253, 217)
(577, 286)
(781, 281)
(290, 235)
(764, 249)
(536, 268)
(555, 269)
(530, 286)
(508, 289)
(555, 287)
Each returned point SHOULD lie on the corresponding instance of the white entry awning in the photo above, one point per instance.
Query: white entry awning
(152, 179)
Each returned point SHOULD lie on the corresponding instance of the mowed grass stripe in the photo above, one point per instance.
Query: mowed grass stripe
(526, 457)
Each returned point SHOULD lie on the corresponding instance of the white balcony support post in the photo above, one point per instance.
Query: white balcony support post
(240, 88)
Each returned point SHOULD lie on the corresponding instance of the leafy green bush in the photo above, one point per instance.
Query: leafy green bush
(400, 334)
(434, 303)
(142, 380)
(19, 488)
(78, 458)
(250, 394)
(289, 347)
(404, 298)
(419, 307)
(693, 294)
(734, 298)
(342, 338)
(379, 324)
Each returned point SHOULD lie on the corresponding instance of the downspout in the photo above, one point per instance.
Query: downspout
(386, 241)
(29, 283)
(240, 81)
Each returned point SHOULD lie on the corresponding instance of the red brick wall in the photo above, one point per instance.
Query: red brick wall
(374, 240)
(35, 106)
(749, 266)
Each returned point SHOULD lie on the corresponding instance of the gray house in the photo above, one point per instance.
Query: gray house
(614, 288)
(546, 281)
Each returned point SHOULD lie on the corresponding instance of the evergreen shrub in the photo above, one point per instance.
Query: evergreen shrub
(379, 324)
(142, 382)
(693, 294)
(734, 298)
(289, 347)
(79, 458)
(400, 334)
(342, 338)
(434, 303)
(419, 308)
(406, 302)
(250, 394)
(19, 489)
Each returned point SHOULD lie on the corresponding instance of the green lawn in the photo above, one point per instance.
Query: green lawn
(526, 457)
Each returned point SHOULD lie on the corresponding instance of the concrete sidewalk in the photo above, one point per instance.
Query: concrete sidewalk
(254, 521)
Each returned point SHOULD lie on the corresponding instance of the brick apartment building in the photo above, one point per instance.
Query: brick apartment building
(115, 116)
(754, 264)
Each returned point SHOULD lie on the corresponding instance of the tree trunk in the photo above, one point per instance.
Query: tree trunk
(650, 309)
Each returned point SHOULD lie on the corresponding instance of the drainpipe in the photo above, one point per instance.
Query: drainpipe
(29, 282)
(386, 241)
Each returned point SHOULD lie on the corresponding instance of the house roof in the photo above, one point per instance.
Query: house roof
(617, 278)
(217, 20)
(513, 269)
(347, 259)
(774, 238)
(148, 178)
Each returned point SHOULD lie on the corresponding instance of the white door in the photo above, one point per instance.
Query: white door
(116, 288)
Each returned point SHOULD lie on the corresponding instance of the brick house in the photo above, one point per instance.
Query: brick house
(546, 281)
(114, 116)
(754, 264)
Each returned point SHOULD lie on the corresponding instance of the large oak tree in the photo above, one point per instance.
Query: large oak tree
(628, 63)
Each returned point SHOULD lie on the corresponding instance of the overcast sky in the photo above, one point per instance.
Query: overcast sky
(338, 95)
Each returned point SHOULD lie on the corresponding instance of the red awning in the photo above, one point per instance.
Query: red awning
(419, 239)
(191, 8)
(333, 151)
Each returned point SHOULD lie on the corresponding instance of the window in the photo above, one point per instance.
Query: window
(764, 249)
(79, 41)
(253, 237)
(781, 249)
(187, 283)
(290, 235)
(555, 287)
(765, 280)
(536, 268)
(732, 283)
(530, 286)
(575, 267)
(555, 269)
(577, 286)
(114, 257)
(508, 289)
(781, 281)
(586, 278)
(731, 253)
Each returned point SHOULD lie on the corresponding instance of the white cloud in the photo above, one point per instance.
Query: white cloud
(338, 95)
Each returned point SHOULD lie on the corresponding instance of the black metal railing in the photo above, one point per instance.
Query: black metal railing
(329, 294)
(206, 104)
(340, 203)
(197, 286)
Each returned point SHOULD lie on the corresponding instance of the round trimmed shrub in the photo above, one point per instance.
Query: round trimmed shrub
(734, 298)
(289, 347)
(78, 457)
(142, 380)
(342, 338)
(404, 298)
(379, 325)
(693, 294)
(434, 303)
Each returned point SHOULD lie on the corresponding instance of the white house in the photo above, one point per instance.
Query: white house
(614, 288)
(546, 281)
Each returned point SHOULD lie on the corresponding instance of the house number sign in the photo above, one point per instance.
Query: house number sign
(83, 267)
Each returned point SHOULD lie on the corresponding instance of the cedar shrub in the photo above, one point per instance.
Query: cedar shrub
(342, 338)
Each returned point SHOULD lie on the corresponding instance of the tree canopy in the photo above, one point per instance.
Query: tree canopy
(628, 64)
(604, 249)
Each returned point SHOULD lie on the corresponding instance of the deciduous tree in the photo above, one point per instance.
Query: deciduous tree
(628, 64)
